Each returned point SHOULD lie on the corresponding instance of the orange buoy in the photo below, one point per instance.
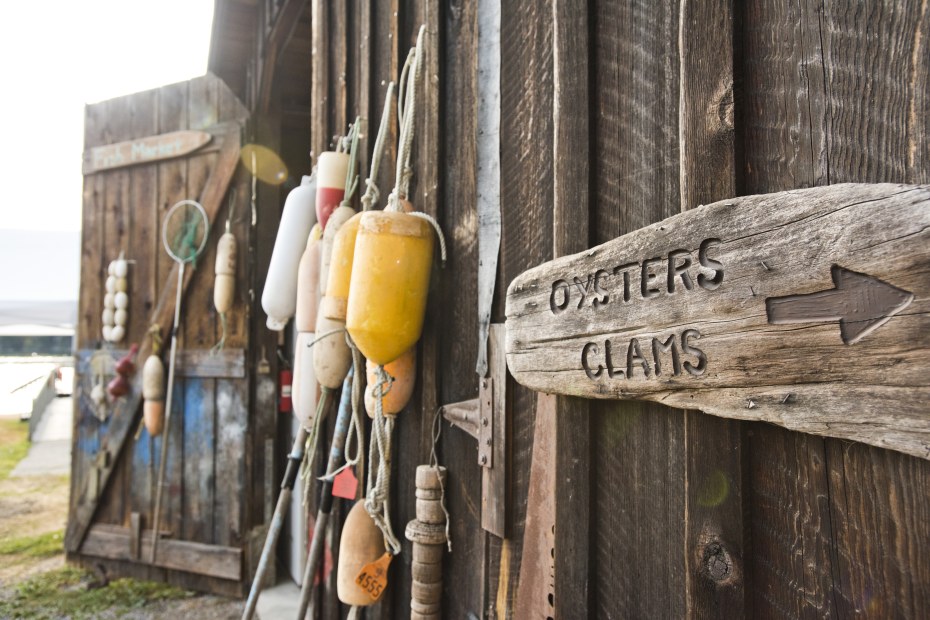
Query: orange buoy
(361, 543)
(404, 372)
(308, 283)
(331, 170)
(389, 283)
(340, 269)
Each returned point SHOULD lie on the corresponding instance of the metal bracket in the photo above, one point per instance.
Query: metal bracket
(487, 419)
(486, 422)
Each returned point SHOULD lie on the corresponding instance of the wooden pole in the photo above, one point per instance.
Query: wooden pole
(428, 534)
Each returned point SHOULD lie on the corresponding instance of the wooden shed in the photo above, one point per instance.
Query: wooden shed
(577, 122)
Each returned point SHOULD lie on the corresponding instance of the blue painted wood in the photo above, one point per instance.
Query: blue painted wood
(199, 445)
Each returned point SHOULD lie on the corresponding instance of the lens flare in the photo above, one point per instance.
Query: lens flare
(264, 164)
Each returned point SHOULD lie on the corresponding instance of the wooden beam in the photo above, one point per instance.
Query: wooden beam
(118, 543)
(126, 415)
(286, 22)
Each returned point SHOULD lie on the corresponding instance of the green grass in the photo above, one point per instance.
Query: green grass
(14, 444)
(40, 546)
(65, 592)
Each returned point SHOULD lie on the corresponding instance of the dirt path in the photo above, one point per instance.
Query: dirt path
(34, 580)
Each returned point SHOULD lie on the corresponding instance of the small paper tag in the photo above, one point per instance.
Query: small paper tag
(345, 484)
(373, 576)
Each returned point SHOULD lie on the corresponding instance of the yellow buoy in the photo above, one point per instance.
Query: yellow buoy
(389, 283)
(340, 269)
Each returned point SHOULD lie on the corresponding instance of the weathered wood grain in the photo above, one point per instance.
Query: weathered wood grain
(716, 582)
(777, 245)
(570, 234)
(113, 542)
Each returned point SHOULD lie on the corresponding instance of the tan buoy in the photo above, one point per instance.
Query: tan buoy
(404, 372)
(339, 217)
(331, 355)
(362, 543)
(153, 393)
(308, 282)
(224, 284)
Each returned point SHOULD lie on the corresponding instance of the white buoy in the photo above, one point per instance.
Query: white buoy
(279, 297)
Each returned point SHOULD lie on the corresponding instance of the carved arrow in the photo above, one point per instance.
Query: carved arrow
(861, 303)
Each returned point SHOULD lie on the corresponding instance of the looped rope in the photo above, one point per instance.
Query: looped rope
(356, 432)
(442, 239)
(372, 194)
(378, 498)
(406, 111)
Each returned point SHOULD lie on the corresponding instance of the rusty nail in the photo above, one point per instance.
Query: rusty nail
(484, 459)
(484, 384)
(487, 441)
(484, 421)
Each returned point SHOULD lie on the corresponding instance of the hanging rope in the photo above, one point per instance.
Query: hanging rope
(372, 194)
(406, 111)
(351, 183)
(378, 498)
(434, 463)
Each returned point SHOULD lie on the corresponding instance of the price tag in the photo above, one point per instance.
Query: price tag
(373, 576)
(345, 484)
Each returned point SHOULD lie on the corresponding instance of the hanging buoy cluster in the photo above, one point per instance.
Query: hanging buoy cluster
(116, 300)
(357, 285)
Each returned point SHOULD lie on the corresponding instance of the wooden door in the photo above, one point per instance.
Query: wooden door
(130, 184)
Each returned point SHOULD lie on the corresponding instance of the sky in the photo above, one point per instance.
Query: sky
(56, 57)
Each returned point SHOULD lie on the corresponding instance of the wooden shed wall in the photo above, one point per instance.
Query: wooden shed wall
(605, 110)
(211, 455)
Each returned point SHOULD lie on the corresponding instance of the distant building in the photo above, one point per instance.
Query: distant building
(40, 328)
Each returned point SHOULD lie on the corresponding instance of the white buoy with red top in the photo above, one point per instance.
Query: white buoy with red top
(279, 297)
(332, 167)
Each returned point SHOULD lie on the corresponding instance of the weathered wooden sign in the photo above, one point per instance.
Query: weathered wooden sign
(809, 309)
(143, 150)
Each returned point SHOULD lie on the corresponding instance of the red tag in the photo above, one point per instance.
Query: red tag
(373, 576)
(345, 484)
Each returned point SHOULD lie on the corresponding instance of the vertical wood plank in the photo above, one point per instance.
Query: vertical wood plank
(319, 90)
(231, 427)
(571, 191)
(527, 154)
(199, 449)
(456, 294)
(716, 539)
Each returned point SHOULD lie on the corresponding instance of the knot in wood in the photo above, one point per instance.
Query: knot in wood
(717, 562)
